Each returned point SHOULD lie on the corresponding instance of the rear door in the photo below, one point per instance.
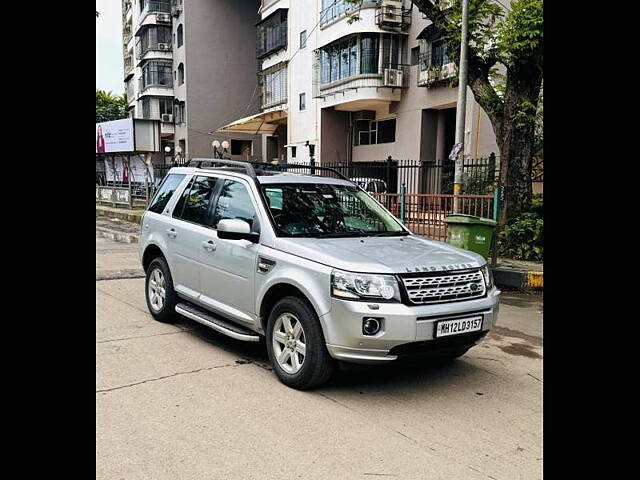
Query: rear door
(228, 271)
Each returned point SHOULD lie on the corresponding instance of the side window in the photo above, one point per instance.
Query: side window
(195, 204)
(234, 202)
(165, 192)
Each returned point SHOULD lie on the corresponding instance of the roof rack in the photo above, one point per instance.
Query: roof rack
(313, 168)
(248, 166)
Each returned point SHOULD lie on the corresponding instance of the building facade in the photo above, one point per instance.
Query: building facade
(185, 64)
(360, 91)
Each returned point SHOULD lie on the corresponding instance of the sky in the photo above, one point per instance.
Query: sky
(109, 61)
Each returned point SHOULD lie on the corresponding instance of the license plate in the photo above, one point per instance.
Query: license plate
(445, 328)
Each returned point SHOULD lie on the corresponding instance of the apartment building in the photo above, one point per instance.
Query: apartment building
(358, 91)
(191, 65)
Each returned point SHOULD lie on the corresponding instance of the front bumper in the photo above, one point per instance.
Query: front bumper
(411, 327)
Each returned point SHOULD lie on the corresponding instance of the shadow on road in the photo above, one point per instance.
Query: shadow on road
(423, 373)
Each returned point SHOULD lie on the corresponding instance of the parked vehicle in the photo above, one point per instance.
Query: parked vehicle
(313, 264)
(371, 185)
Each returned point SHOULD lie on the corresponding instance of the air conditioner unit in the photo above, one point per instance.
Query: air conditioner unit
(448, 70)
(392, 77)
(163, 17)
(167, 118)
(391, 11)
(164, 46)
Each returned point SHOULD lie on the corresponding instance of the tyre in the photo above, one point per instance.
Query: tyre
(159, 292)
(296, 345)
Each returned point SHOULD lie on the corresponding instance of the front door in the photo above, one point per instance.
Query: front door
(228, 270)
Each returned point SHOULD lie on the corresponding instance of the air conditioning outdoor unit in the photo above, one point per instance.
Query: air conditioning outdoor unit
(167, 118)
(391, 11)
(163, 17)
(392, 77)
(448, 70)
(164, 46)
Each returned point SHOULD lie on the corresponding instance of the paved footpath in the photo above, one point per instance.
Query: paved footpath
(184, 402)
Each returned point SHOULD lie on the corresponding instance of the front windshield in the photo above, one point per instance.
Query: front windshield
(326, 210)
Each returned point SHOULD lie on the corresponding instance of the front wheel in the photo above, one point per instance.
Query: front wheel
(296, 345)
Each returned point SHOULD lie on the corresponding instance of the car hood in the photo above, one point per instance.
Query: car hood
(381, 254)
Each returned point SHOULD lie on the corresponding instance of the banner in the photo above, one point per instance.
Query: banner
(140, 171)
(115, 136)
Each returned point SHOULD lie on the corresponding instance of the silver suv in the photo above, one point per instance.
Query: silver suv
(312, 263)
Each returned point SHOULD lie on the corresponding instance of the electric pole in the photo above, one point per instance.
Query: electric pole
(461, 110)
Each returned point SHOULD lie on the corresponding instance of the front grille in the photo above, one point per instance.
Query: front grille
(444, 287)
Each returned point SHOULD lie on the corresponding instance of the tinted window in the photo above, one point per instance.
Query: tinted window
(234, 202)
(165, 192)
(197, 201)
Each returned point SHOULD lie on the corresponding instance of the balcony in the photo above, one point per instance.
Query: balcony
(154, 6)
(272, 33)
(128, 64)
(336, 9)
(273, 86)
(434, 69)
(153, 39)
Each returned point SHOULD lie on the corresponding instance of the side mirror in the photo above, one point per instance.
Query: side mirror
(236, 229)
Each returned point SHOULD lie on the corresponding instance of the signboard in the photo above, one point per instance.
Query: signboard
(115, 170)
(112, 195)
(115, 136)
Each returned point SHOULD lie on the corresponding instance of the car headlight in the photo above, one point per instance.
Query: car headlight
(363, 286)
(488, 276)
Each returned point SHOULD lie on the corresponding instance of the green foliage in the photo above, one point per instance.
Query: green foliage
(110, 107)
(520, 35)
(523, 235)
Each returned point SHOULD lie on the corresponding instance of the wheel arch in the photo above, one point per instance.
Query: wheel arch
(151, 251)
(277, 292)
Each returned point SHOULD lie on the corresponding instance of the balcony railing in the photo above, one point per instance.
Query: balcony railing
(128, 63)
(156, 6)
(271, 38)
(434, 69)
(340, 8)
(273, 86)
(391, 17)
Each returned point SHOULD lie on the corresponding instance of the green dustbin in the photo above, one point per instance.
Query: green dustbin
(471, 233)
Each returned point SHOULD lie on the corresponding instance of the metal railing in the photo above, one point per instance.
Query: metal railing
(340, 8)
(271, 38)
(156, 6)
(393, 18)
(433, 69)
(391, 76)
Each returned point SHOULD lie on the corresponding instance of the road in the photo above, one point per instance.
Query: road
(184, 402)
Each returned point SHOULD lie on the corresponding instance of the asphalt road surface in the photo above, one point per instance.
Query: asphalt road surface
(182, 401)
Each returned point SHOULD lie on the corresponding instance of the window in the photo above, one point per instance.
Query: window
(241, 147)
(156, 73)
(180, 36)
(293, 152)
(415, 55)
(339, 60)
(272, 33)
(439, 55)
(234, 202)
(370, 132)
(179, 113)
(180, 74)
(194, 204)
(273, 85)
(303, 39)
(165, 192)
(369, 53)
(165, 105)
(302, 105)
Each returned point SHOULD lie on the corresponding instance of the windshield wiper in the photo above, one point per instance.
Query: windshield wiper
(353, 233)
(388, 233)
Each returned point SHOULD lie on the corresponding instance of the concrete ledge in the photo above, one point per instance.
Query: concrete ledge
(117, 236)
(126, 214)
(518, 279)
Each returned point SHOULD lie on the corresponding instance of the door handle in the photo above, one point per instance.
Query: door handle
(209, 245)
(171, 233)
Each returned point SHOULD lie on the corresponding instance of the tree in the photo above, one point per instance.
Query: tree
(505, 76)
(110, 107)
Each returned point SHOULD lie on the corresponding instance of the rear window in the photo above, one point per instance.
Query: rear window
(165, 192)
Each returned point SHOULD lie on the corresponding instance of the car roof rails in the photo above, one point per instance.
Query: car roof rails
(247, 166)
(312, 168)
(250, 167)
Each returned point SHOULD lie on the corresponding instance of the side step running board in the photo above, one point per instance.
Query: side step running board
(210, 320)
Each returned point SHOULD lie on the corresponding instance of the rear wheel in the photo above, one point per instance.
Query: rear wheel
(161, 298)
(296, 345)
